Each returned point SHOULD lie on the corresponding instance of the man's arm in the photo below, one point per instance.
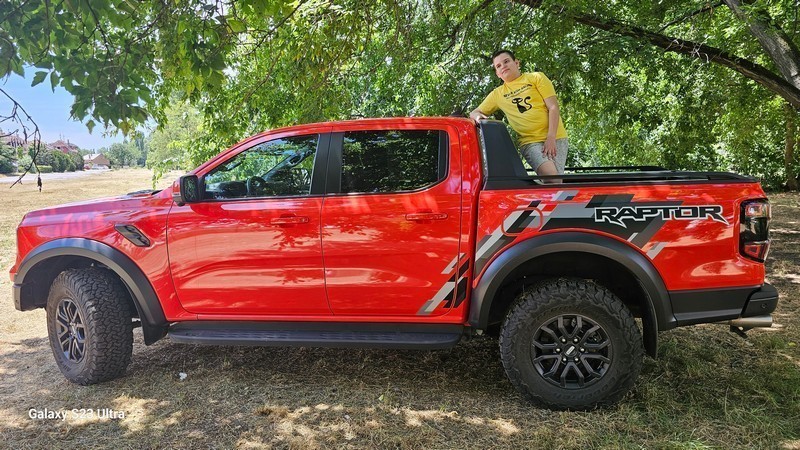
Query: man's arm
(477, 115)
(553, 118)
(488, 106)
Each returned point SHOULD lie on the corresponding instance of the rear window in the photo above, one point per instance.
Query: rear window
(393, 160)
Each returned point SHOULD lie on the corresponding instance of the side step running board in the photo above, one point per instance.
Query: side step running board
(308, 334)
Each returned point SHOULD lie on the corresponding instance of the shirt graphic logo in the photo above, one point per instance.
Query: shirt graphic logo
(517, 101)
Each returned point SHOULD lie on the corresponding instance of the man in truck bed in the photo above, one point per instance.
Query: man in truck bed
(530, 103)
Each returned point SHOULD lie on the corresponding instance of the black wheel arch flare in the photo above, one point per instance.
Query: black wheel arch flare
(656, 316)
(154, 323)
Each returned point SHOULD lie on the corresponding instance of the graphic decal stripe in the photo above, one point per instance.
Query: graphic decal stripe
(462, 292)
(446, 291)
(463, 269)
(562, 195)
(488, 243)
(523, 220)
(501, 242)
(650, 230)
(453, 263)
(656, 249)
(460, 287)
(520, 223)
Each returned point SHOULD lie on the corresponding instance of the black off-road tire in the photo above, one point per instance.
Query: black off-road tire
(534, 345)
(92, 306)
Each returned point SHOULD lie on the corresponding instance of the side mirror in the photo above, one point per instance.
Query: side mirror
(188, 190)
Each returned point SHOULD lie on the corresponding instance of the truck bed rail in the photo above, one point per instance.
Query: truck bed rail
(503, 168)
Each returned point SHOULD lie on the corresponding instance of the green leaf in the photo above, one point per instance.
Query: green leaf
(90, 125)
(237, 26)
(217, 62)
(38, 78)
(53, 80)
(16, 66)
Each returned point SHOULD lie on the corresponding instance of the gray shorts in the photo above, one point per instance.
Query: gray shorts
(533, 154)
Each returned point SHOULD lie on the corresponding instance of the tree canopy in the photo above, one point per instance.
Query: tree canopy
(685, 84)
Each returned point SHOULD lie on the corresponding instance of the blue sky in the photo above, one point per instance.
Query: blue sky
(50, 110)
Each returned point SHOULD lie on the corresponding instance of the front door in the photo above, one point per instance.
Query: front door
(252, 247)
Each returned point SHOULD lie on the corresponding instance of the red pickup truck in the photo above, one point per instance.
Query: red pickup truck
(403, 233)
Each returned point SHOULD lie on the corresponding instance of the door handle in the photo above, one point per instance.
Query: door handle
(288, 220)
(422, 216)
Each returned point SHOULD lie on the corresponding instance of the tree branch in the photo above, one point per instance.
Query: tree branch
(468, 18)
(773, 40)
(36, 135)
(691, 14)
(272, 31)
(749, 69)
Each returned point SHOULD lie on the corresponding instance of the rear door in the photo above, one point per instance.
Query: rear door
(391, 220)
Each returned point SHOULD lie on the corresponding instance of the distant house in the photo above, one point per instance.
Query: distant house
(96, 161)
(12, 140)
(65, 147)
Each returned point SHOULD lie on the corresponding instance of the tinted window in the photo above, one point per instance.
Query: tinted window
(275, 168)
(391, 161)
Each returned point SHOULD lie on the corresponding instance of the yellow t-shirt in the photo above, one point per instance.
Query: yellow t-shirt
(522, 101)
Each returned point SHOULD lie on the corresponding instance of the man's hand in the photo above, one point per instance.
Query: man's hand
(477, 115)
(549, 150)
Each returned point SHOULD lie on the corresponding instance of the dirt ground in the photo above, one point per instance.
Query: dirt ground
(707, 389)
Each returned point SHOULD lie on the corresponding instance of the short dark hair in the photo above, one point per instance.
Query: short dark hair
(500, 52)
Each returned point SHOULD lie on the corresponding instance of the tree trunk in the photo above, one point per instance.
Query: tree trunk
(791, 142)
(772, 39)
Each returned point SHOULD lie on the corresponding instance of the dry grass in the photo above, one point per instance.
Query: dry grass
(708, 388)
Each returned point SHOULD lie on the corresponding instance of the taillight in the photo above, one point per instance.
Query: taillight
(754, 229)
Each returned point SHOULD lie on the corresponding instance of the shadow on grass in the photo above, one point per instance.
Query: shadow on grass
(707, 388)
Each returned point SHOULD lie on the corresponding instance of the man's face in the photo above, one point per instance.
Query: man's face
(506, 67)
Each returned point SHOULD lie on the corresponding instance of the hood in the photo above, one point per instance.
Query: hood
(127, 204)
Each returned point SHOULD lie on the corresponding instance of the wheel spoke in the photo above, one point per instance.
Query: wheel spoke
(546, 357)
(578, 326)
(73, 312)
(61, 323)
(65, 344)
(542, 346)
(589, 333)
(590, 369)
(61, 327)
(571, 367)
(562, 328)
(554, 367)
(597, 345)
(62, 314)
(80, 337)
(597, 356)
(72, 350)
(552, 333)
(78, 350)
